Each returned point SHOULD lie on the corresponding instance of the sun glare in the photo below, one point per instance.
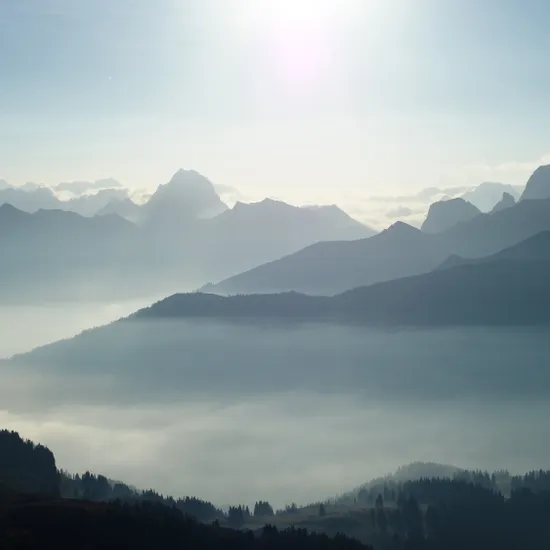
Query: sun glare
(300, 36)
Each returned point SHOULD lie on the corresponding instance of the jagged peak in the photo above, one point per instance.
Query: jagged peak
(507, 201)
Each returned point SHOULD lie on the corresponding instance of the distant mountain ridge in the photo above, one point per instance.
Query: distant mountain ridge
(536, 248)
(538, 185)
(330, 268)
(507, 201)
(187, 196)
(507, 289)
(443, 215)
(172, 243)
(486, 195)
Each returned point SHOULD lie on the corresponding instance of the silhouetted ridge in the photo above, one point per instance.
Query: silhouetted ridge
(10, 215)
(26, 467)
(503, 291)
(445, 214)
(289, 304)
(187, 196)
(538, 185)
(507, 201)
(536, 248)
(488, 194)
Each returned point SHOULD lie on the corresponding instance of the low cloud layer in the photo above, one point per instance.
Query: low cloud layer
(230, 414)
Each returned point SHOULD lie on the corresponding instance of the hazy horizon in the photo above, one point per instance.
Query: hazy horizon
(303, 100)
(277, 353)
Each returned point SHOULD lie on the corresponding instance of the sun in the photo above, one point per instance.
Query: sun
(300, 36)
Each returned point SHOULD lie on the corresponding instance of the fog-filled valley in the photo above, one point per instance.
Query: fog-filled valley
(274, 274)
(285, 397)
(25, 325)
(236, 412)
(317, 354)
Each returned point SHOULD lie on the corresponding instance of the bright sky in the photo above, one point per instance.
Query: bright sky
(290, 98)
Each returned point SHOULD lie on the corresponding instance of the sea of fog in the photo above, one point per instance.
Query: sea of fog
(241, 412)
(24, 327)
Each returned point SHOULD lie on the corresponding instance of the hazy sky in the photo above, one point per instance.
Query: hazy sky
(293, 98)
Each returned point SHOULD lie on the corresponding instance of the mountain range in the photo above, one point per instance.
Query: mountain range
(511, 287)
(183, 236)
(329, 268)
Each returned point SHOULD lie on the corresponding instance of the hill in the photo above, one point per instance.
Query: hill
(462, 510)
(27, 468)
(493, 293)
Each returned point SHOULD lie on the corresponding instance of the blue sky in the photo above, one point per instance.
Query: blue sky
(297, 99)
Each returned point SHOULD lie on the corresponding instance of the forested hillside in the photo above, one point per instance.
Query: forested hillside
(474, 510)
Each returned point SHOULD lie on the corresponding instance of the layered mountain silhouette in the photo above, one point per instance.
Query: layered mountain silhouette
(444, 214)
(506, 201)
(123, 207)
(538, 185)
(32, 198)
(494, 292)
(186, 197)
(507, 289)
(331, 267)
(536, 248)
(53, 252)
(175, 243)
(400, 251)
(29, 200)
(486, 195)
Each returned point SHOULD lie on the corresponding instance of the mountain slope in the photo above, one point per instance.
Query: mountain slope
(123, 207)
(507, 201)
(104, 256)
(445, 214)
(44, 254)
(501, 291)
(486, 195)
(536, 248)
(188, 196)
(332, 267)
(538, 185)
(329, 268)
(252, 234)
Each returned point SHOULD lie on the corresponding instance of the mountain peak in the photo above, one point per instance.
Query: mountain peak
(7, 208)
(507, 201)
(188, 195)
(445, 214)
(401, 227)
(489, 193)
(10, 214)
(400, 231)
(538, 185)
